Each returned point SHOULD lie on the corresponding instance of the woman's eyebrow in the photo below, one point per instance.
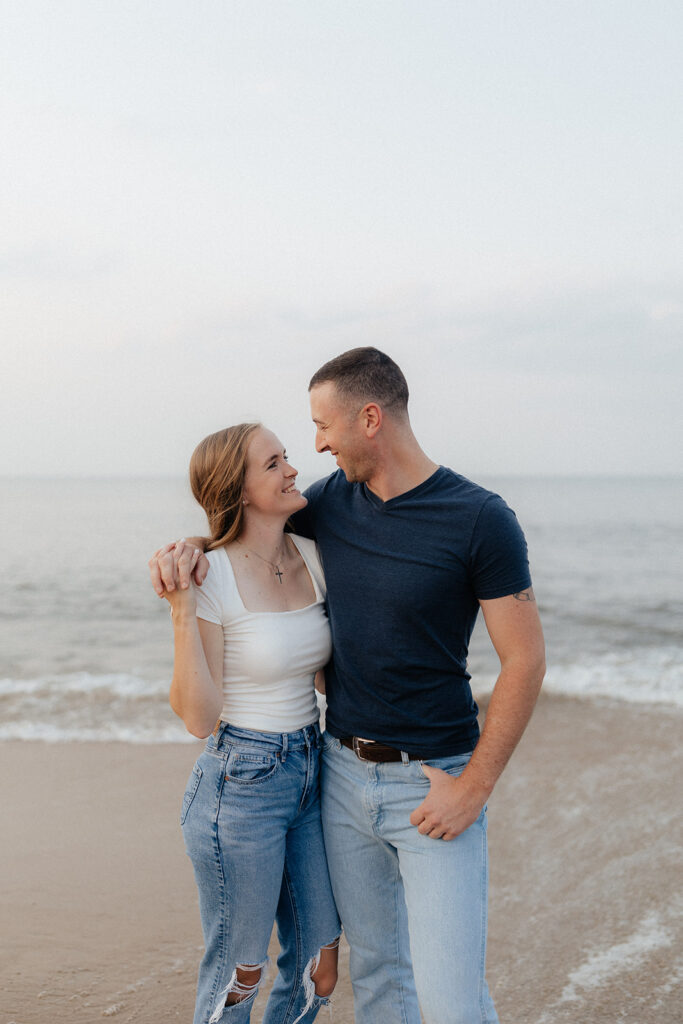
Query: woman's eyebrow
(275, 456)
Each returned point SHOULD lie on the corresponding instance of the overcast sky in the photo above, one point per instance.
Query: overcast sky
(203, 201)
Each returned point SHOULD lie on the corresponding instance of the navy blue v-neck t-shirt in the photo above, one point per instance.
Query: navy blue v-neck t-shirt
(404, 578)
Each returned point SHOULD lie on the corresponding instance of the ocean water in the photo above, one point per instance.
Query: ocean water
(85, 644)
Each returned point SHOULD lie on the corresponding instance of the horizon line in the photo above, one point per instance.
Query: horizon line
(608, 475)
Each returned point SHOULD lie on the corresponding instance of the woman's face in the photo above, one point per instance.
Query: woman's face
(270, 481)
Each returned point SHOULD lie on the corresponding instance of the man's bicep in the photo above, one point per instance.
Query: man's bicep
(514, 626)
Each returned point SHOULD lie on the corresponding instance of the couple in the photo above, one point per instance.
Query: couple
(410, 552)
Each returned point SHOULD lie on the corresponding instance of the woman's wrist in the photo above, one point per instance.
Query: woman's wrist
(184, 615)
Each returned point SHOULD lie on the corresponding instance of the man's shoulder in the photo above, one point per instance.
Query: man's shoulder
(328, 487)
(322, 498)
(484, 509)
(463, 489)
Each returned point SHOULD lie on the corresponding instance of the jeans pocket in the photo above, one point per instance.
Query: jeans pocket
(250, 767)
(190, 791)
(454, 765)
(329, 742)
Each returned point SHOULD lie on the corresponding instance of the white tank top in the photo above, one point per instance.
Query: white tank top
(269, 658)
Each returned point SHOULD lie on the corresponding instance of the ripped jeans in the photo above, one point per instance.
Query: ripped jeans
(251, 824)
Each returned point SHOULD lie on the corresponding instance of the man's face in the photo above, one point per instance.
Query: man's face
(338, 430)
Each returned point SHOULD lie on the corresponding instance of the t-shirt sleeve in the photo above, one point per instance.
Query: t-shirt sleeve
(209, 595)
(499, 562)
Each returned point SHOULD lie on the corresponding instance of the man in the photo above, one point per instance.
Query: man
(411, 551)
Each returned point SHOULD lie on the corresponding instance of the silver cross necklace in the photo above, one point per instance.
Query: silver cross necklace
(275, 566)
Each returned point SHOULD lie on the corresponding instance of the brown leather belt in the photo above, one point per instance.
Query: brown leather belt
(370, 750)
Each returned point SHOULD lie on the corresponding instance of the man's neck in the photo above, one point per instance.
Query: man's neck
(404, 468)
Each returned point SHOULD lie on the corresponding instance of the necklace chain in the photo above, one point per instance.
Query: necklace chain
(275, 566)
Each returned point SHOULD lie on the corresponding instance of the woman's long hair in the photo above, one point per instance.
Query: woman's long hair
(217, 470)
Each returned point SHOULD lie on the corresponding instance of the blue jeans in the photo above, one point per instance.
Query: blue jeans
(413, 908)
(251, 823)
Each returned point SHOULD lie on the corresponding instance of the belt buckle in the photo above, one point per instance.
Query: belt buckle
(356, 740)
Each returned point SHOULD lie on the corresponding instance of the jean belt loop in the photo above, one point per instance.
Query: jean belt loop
(218, 733)
(285, 745)
(405, 757)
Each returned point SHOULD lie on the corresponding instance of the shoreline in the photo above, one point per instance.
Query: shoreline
(100, 910)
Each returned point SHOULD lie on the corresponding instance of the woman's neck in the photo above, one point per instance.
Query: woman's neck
(265, 536)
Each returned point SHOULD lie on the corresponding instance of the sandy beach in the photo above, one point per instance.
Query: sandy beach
(99, 909)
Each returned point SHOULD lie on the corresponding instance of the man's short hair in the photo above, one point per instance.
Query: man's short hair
(366, 375)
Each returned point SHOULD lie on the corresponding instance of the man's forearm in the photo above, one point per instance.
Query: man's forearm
(510, 708)
(198, 542)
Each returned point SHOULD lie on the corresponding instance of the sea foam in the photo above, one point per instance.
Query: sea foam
(655, 677)
(129, 708)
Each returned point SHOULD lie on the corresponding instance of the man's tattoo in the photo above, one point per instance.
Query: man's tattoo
(525, 595)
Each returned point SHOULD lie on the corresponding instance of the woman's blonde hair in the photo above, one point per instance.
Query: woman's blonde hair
(217, 470)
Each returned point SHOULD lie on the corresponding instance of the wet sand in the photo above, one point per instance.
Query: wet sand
(98, 906)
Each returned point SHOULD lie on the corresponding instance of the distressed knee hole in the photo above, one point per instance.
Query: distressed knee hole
(247, 980)
(324, 975)
(324, 982)
(320, 975)
(243, 984)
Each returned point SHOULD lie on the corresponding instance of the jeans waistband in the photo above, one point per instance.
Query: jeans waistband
(226, 733)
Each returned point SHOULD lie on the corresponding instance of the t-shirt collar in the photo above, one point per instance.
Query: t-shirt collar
(375, 500)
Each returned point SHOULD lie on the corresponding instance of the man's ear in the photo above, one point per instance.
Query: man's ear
(371, 418)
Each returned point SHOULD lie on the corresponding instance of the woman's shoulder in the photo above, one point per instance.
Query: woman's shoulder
(216, 557)
(308, 549)
(218, 591)
(219, 563)
(305, 545)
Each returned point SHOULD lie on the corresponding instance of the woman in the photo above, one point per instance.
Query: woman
(248, 644)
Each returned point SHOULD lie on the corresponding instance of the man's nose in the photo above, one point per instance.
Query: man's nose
(320, 442)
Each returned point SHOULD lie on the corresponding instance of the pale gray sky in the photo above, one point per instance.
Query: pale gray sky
(202, 202)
